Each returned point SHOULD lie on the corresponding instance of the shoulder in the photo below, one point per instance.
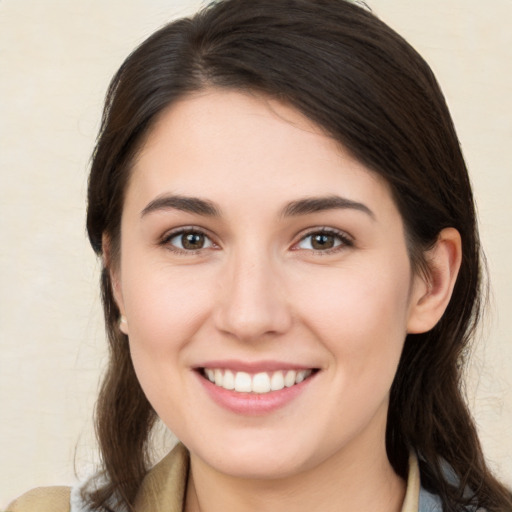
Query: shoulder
(42, 499)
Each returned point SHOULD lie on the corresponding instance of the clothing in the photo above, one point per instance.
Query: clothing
(163, 490)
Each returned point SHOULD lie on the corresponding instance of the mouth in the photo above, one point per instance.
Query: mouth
(256, 383)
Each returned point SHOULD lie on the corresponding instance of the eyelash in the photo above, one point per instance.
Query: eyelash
(166, 240)
(343, 239)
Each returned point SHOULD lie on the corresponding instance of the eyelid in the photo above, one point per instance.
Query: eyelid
(169, 235)
(346, 239)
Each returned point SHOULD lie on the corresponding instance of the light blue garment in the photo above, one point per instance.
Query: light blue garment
(429, 502)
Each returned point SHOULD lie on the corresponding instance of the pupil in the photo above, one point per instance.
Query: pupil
(323, 241)
(193, 241)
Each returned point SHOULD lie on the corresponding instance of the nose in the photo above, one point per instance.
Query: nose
(252, 301)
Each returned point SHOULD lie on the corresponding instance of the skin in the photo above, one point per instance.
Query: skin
(258, 290)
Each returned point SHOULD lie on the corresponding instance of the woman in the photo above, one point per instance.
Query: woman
(291, 271)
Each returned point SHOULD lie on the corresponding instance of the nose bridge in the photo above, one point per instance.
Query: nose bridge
(252, 302)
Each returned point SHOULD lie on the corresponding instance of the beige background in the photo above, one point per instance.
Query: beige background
(56, 58)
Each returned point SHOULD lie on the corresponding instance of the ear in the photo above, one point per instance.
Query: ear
(113, 269)
(431, 292)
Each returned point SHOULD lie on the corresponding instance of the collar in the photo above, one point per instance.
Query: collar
(412, 493)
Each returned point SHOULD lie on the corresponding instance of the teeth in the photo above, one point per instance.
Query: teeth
(243, 382)
(260, 383)
(277, 381)
(229, 380)
(301, 376)
(289, 379)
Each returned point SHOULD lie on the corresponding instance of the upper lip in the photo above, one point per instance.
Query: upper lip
(253, 366)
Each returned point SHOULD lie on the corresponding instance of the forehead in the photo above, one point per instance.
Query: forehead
(229, 145)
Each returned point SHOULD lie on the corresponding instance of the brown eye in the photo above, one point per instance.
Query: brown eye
(190, 241)
(324, 241)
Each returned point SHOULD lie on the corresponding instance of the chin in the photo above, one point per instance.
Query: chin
(260, 459)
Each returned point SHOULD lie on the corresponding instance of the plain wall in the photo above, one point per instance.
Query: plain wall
(56, 58)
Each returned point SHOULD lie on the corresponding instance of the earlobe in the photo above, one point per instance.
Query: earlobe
(123, 324)
(115, 283)
(431, 293)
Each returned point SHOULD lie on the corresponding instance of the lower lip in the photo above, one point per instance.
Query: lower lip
(253, 404)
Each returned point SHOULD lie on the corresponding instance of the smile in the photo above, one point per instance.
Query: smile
(260, 383)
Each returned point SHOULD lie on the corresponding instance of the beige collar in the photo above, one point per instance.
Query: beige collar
(412, 493)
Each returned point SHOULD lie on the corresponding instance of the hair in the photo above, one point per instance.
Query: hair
(356, 78)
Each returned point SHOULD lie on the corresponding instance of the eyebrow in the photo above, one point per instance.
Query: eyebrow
(318, 204)
(183, 203)
(299, 207)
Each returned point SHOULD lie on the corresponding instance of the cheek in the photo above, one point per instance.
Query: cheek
(360, 314)
(166, 309)
(360, 318)
(356, 300)
(165, 306)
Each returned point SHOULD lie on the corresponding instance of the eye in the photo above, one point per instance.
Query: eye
(324, 240)
(188, 240)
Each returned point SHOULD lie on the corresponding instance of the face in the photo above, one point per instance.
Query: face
(258, 254)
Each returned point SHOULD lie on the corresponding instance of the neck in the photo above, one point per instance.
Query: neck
(352, 479)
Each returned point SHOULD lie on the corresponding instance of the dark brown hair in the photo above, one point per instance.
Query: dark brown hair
(364, 85)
